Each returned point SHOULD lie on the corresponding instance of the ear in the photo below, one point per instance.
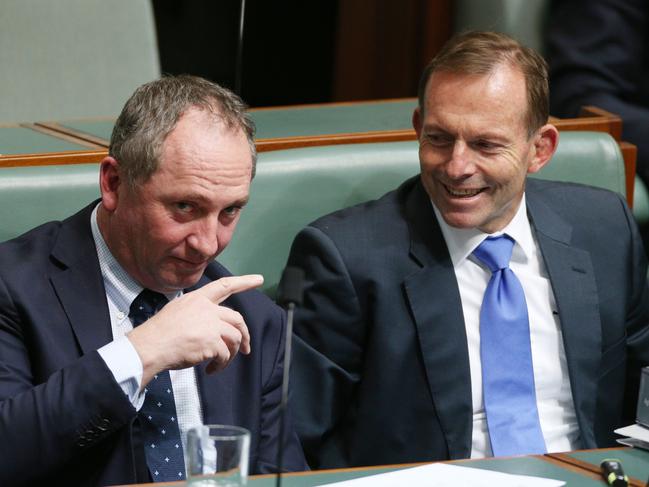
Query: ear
(417, 121)
(109, 182)
(546, 141)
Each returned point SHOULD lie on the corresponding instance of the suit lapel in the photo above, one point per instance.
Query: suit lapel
(78, 284)
(573, 282)
(434, 300)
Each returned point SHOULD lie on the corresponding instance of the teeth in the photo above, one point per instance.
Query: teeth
(463, 192)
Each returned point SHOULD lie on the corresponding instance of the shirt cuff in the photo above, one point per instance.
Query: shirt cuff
(123, 361)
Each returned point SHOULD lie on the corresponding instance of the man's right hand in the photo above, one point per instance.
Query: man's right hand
(194, 328)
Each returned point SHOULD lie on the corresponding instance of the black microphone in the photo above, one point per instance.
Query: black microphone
(289, 295)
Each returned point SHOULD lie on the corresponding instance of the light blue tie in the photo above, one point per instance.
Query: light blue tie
(507, 373)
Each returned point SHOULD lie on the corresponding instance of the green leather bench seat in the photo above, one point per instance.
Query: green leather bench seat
(292, 188)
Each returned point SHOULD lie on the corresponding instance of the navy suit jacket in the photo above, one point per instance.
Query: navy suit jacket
(62, 415)
(381, 368)
(598, 52)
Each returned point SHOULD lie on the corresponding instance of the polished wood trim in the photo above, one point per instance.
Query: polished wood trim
(591, 119)
(571, 467)
(581, 465)
(630, 155)
(54, 158)
(581, 468)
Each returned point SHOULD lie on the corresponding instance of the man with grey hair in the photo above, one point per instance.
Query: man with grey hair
(118, 330)
(473, 311)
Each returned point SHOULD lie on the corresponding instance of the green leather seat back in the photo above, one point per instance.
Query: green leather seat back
(292, 188)
(640, 202)
(33, 195)
(592, 158)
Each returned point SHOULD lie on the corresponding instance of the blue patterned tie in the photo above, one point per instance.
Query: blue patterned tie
(507, 374)
(160, 431)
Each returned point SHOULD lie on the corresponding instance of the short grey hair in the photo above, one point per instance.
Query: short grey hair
(153, 111)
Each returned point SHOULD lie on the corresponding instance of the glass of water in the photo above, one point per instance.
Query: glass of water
(217, 455)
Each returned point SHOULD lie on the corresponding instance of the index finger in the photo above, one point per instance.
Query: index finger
(221, 289)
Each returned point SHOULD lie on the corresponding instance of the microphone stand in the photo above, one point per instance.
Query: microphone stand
(282, 408)
(238, 74)
(289, 293)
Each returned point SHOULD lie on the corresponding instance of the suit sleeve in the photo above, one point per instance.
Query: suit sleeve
(328, 348)
(637, 323)
(47, 425)
(597, 51)
(293, 457)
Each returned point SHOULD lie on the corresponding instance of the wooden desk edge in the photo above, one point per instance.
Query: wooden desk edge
(582, 465)
(53, 158)
(581, 468)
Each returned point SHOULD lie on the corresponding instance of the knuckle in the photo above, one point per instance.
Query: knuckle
(225, 283)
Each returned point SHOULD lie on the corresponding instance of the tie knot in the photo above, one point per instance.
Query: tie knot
(145, 305)
(495, 252)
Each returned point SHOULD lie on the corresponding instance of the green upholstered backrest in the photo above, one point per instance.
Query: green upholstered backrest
(592, 158)
(292, 188)
(33, 195)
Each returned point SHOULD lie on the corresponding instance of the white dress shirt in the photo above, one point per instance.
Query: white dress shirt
(121, 357)
(552, 385)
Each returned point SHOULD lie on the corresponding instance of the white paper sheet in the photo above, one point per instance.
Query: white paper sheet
(637, 436)
(634, 431)
(444, 475)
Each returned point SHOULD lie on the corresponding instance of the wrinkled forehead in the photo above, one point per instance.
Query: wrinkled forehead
(500, 92)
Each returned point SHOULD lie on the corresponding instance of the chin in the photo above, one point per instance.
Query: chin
(461, 221)
(178, 283)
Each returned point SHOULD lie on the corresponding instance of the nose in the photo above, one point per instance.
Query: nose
(460, 164)
(203, 241)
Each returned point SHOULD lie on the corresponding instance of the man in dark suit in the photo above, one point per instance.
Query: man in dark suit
(598, 52)
(396, 359)
(76, 377)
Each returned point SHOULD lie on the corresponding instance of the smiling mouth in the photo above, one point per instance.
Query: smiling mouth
(463, 193)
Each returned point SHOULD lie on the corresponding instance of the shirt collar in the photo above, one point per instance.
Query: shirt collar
(120, 286)
(461, 242)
